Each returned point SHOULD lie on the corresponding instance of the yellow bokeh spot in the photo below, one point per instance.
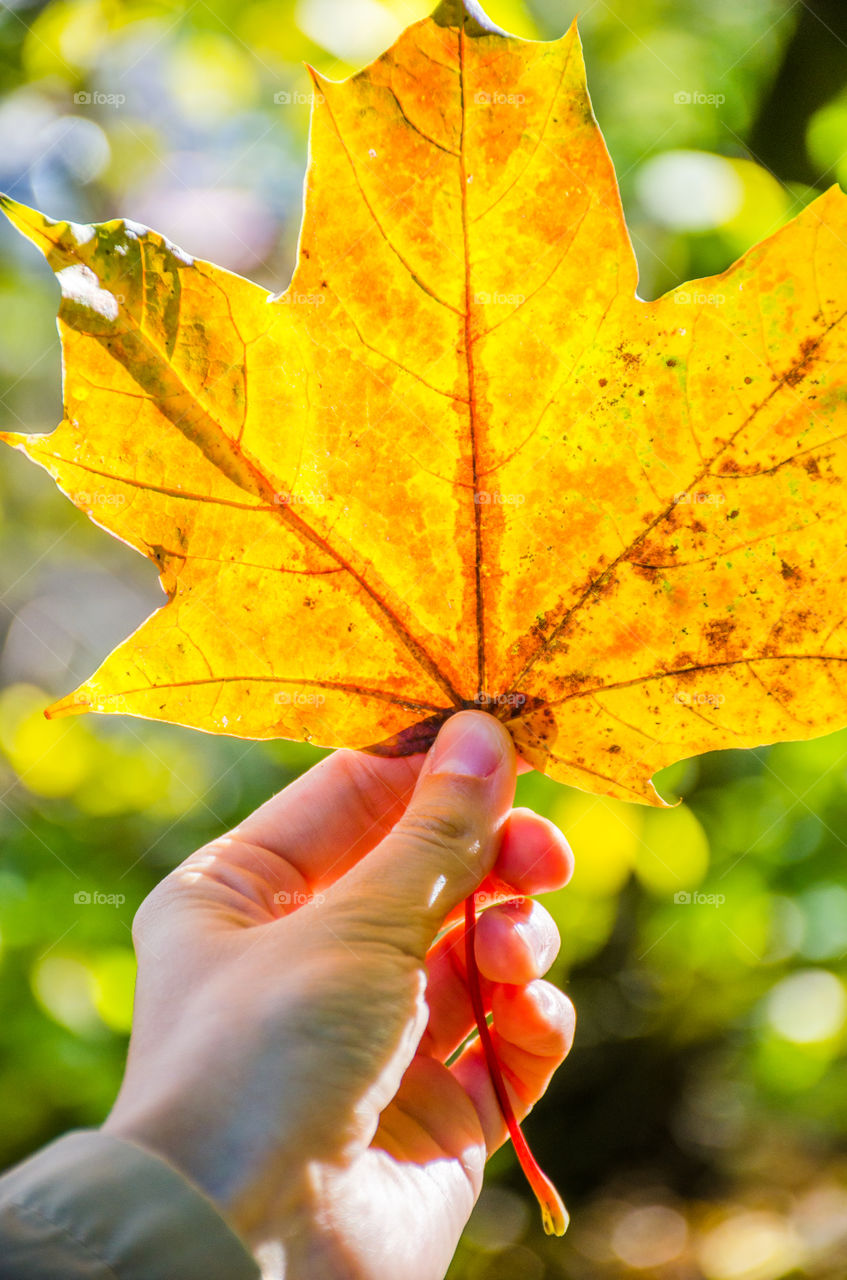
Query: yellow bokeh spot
(674, 852)
(51, 757)
(605, 837)
(825, 139)
(808, 1007)
(756, 1245)
(765, 206)
(66, 990)
(66, 35)
(86, 994)
(126, 781)
(114, 986)
(211, 78)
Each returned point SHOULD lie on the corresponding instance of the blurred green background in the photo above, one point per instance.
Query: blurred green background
(699, 1128)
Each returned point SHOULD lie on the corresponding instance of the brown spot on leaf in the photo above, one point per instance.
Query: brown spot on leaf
(800, 368)
(718, 632)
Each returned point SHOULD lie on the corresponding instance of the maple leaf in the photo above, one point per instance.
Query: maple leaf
(459, 462)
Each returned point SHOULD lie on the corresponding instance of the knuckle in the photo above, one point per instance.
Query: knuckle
(149, 909)
(139, 924)
(440, 829)
(384, 929)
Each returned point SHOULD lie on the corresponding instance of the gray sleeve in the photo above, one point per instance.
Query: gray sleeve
(94, 1207)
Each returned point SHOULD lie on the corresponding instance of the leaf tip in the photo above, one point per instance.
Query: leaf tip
(834, 194)
(322, 84)
(29, 222)
(15, 440)
(74, 704)
(58, 240)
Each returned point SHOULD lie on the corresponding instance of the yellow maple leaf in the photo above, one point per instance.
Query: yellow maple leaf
(459, 462)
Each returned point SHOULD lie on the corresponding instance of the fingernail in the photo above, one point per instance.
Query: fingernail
(469, 744)
(541, 946)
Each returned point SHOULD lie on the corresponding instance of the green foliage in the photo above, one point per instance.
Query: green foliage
(700, 1126)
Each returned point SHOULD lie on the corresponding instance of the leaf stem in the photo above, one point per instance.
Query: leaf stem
(554, 1215)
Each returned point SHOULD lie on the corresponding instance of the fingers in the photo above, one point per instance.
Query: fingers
(532, 1032)
(445, 842)
(311, 834)
(534, 857)
(294, 845)
(328, 819)
(331, 816)
(516, 942)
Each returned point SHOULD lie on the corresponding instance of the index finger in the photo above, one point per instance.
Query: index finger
(331, 816)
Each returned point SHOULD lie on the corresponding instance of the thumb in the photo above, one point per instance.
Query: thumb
(448, 838)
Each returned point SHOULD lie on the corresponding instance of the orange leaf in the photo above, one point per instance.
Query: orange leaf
(458, 462)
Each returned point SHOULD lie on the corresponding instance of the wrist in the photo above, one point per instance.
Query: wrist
(252, 1196)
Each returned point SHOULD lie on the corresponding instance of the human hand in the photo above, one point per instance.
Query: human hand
(295, 1012)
